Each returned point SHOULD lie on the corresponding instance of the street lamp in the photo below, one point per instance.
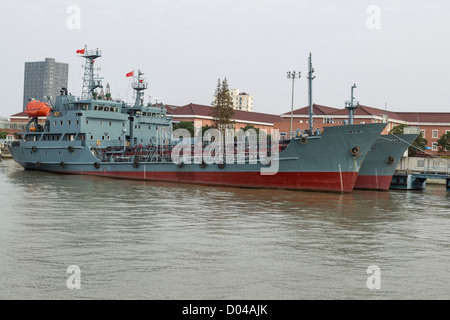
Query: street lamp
(293, 75)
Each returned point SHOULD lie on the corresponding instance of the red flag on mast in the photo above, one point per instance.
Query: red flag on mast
(130, 74)
(81, 51)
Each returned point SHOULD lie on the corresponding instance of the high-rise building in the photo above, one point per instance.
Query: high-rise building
(44, 78)
(241, 100)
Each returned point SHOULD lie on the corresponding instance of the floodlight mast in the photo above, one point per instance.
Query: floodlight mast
(292, 75)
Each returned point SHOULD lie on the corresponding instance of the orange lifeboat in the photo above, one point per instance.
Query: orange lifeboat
(36, 109)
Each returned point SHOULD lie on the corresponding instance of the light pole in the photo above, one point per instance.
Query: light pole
(293, 75)
(311, 105)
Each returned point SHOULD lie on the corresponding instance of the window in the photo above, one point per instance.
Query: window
(328, 120)
(69, 122)
(435, 134)
(434, 146)
(423, 132)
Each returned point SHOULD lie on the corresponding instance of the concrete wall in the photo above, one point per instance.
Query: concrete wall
(427, 165)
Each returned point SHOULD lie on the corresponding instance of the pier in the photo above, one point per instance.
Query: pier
(412, 173)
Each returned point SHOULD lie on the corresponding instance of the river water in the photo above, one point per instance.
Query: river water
(142, 240)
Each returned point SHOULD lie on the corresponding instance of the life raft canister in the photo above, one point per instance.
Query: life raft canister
(36, 108)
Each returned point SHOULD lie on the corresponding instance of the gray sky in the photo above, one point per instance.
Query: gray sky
(183, 47)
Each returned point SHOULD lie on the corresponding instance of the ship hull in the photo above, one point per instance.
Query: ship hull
(324, 163)
(308, 181)
(377, 169)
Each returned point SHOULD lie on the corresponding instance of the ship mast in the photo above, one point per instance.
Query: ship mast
(89, 82)
(311, 105)
(351, 106)
(139, 86)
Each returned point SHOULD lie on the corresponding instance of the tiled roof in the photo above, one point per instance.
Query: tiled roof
(170, 108)
(437, 117)
(369, 111)
(317, 109)
(20, 114)
(205, 111)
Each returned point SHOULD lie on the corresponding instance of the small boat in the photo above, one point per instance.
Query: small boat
(36, 108)
(4, 148)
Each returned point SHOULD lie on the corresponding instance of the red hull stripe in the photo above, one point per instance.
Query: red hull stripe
(317, 181)
(373, 182)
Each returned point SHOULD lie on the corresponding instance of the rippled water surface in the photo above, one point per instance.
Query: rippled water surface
(141, 240)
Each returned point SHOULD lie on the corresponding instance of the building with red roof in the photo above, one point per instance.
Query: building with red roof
(18, 122)
(201, 115)
(432, 124)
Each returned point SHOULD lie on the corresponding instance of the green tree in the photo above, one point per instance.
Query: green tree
(417, 146)
(398, 129)
(444, 143)
(189, 126)
(249, 126)
(205, 128)
(3, 134)
(222, 111)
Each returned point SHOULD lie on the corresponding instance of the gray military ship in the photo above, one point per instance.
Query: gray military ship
(103, 137)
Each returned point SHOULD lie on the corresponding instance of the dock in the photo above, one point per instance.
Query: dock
(416, 181)
(412, 173)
